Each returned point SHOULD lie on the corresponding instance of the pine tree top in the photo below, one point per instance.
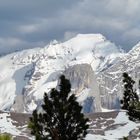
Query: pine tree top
(62, 118)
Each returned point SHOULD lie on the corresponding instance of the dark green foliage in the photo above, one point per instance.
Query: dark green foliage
(130, 101)
(61, 118)
(125, 138)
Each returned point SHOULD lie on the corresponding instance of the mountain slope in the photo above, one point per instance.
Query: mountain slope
(27, 74)
(111, 87)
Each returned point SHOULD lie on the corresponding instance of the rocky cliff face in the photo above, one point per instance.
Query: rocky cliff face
(85, 87)
(111, 86)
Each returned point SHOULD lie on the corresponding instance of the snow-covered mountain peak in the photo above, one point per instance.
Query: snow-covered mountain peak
(135, 51)
(88, 37)
(90, 41)
(85, 41)
(31, 72)
(93, 49)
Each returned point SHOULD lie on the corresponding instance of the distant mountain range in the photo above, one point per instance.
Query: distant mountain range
(93, 64)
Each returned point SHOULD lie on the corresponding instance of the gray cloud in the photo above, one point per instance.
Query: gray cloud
(33, 23)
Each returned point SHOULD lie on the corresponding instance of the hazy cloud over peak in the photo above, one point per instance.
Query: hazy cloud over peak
(33, 23)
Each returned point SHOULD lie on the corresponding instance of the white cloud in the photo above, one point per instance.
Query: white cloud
(10, 41)
(132, 34)
(48, 20)
(28, 28)
(10, 44)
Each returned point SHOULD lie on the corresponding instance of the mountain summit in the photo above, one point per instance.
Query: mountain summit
(26, 75)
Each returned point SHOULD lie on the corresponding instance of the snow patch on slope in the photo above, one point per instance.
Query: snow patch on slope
(6, 125)
(123, 128)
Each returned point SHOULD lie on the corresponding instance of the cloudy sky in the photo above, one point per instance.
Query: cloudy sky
(33, 23)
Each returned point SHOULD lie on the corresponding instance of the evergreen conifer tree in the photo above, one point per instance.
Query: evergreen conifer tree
(61, 118)
(130, 101)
